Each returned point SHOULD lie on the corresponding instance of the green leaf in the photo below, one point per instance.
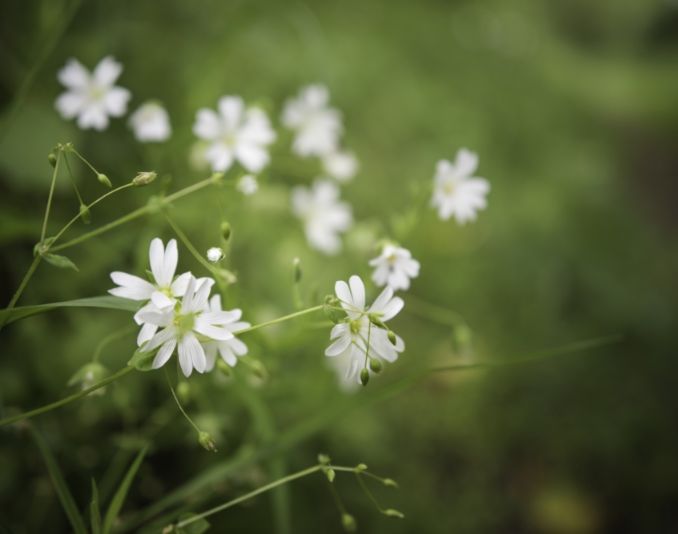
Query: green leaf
(107, 302)
(59, 261)
(95, 510)
(120, 495)
(60, 486)
(196, 527)
(142, 361)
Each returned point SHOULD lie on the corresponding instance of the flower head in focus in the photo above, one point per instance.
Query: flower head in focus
(394, 267)
(184, 326)
(228, 349)
(235, 133)
(323, 214)
(456, 192)
(316, 125)
(341, 165)
(247, 185)
(92, 97)
(150, 123)
(361, 342)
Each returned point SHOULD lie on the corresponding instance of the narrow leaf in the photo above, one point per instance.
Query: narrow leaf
(120, 495)
(60, 486)
(107, 302)
(95, 510)
(59, 261)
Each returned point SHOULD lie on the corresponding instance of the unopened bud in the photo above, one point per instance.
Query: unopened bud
(296, 262)
(348, 522)
(144, 178)
(88, 375)
(206, 441)
(103, 179)
(390, 483)
(333, 309)
(323, 459)
(364, 376)
(392, 337)
(51, 157)
(391, 512)
(374, 319)
(330, 474)
(215, 255)
(375, 365)
(84, 214)
(361, 467)
(225, 231)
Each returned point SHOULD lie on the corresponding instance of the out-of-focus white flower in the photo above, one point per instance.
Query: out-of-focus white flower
(341, 165)
(229, 349)
(150, 123)
(455, 191)
(394, 267)
(92, 97)
(215, 254)
(247, 185)
(323, 214)
(235, 133)
(184, 326)
(359, 342)
(317, 126)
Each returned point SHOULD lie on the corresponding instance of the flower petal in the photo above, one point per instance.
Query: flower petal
(164, 353)
(107, 71)
(131, 287)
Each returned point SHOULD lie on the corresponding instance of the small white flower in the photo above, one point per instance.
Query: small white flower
(323, 214)
(358, 340)
(247, 185)
(150, 123)
(342, 166)
(394, 267)
(455, 191)
(235, 133)
(316, 125)
(229, 349)
(215, 254)
(92, 97)
(184, 326)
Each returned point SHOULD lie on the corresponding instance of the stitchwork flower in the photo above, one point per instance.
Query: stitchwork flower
(316, 125)
(363, 341)
(247, 185)
(229, 349)
(456, 192)
(341, 166)
(150, 123)
(92, 97)
(235, 133)
(323, 214)
(394, 267)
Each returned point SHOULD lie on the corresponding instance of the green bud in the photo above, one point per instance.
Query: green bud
(364, 376)
(348, 522)
(144, 178)
(323, 459)
(225, 231)
(51, 157)
(391, 512)
(184, 391)
(392, 337)
(330, 474)
(103, 179)
(390, 483)
(333, 309)
(361, 467)
(84, 214)
(297, 270)
(88, 375)
(374, 319)
(375, 365)
(206, 441)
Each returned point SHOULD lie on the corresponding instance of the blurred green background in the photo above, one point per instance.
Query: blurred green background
(572, 107)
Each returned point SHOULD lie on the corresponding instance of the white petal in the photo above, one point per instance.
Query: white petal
(178, 287)
(392, 308)
(146, 333)
(220, 157)
(161, 301)
(169, 265)
(115, 101)
(74, 75)
(466, 162)
(107, 71)
(211, 331)
(253, 157)
(69, 104)
(382, 300)
(156, 255)
(358, 291)
(185, 357)
(343, 292)
(194, 348)
(207, 124)
(231, 110)
(158, 339)
(131, 287)
(93, 116)
(164, 353)
(339, 346)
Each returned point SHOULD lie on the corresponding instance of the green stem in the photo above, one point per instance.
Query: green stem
(109, 339)
(70, 175)
(67, 400)
(17, 294)
(50, 196)
(181, 408)
(84, 160)
(281, 319)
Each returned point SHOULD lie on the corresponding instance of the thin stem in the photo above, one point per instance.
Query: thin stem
(70, 174)
(187, 242)
(85, 161)
(109, 339)
(51, 194)
(17, 294)
(181, 408)
(137, 213)
(66, 400)
(367, 492)
(281, 319)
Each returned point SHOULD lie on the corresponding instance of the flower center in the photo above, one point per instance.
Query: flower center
(355, 326)
(184, 323)
(96, 92)
(449, 188)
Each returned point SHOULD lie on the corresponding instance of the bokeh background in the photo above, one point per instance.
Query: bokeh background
(572, 107)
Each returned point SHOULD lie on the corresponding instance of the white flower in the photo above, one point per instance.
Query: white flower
(215, 254)
(184, 326)
(456, 192)
(247, 185)
(359, 340)
(394, 267)
(235, 133)
(150, 122)
(229, 349)
(316, 125)
(341, 165)
(324, 215)
(92, 97)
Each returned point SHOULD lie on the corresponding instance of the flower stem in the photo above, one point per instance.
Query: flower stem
(281, 319)
(51, 195)
(181, 408)
(17, 294)
(67, 400)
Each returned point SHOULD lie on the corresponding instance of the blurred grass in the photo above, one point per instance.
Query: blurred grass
(571, 106)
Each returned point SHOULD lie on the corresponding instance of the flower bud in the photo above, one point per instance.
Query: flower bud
(391, 512)
(215, 255)
(51, 157)
(361, 467)
(390, 483)
(392, 337)
(225, 231)
(88, 375)
(364, 376)
(333, 309)
(144, 178)
(84, 214)
(348, 522)
(375, 365)
(374, 319)
(323, 459)
(296, 262)
(206, 441)
(103, 179)
(329, 473)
